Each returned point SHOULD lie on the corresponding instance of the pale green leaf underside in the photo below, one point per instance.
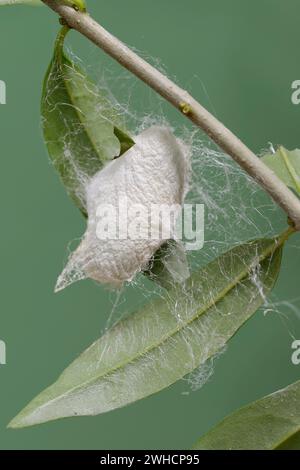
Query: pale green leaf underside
(154, 347)
(286, 165)
(267, 424)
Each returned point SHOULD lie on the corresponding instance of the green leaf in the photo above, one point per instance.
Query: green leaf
(267, 424)
(125, 140)
(165, 340)
(19, 2)
(286, 165)
(79, 123)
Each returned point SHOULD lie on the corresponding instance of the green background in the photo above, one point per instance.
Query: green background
(245, 55)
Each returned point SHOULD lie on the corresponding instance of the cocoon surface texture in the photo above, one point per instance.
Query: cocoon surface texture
(120, 198)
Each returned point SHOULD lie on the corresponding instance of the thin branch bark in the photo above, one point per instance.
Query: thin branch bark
(186, 104)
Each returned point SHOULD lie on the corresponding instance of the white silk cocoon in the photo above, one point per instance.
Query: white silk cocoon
(154, 171)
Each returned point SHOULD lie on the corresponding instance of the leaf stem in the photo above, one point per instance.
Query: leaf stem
(186, 104)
